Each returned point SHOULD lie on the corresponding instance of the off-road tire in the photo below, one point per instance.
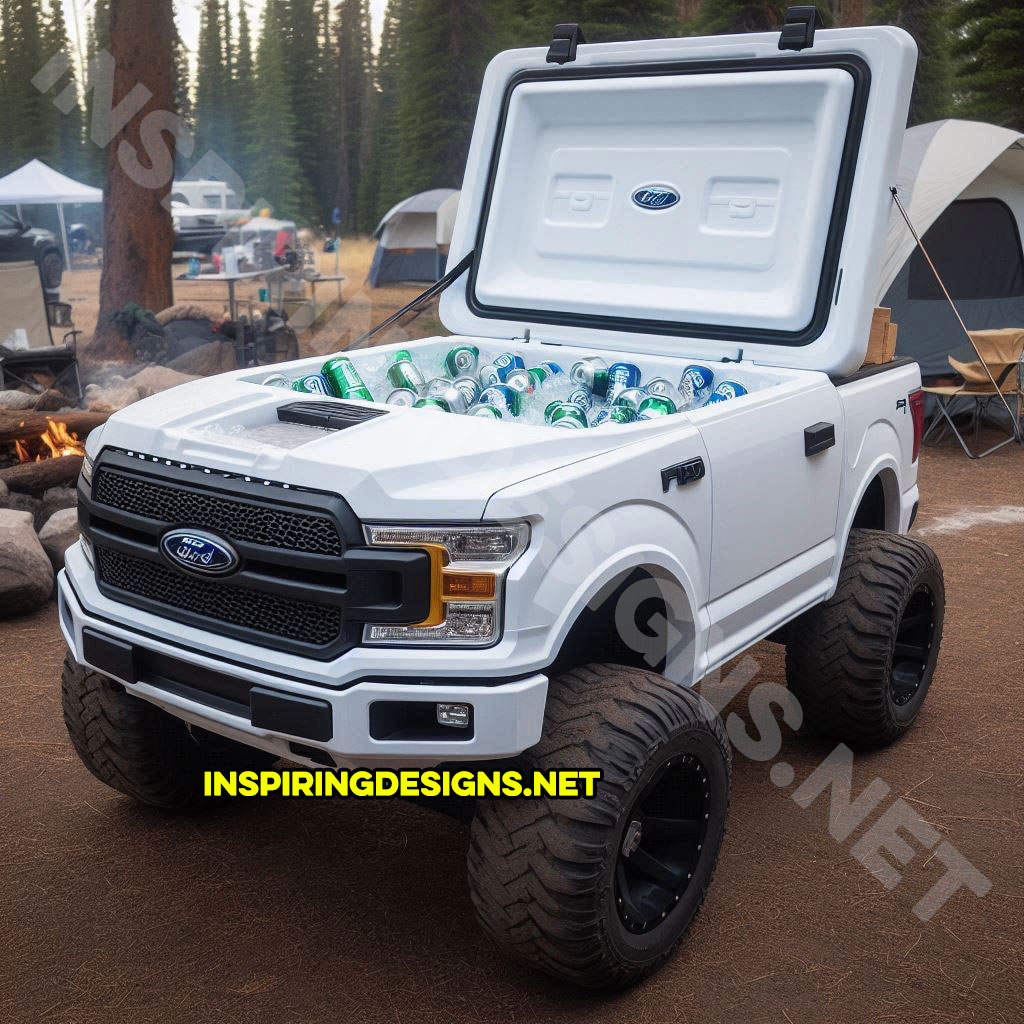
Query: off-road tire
(543, 872)
(841, 655)
(138, 749)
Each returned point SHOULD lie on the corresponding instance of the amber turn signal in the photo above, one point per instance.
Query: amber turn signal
(467, 586)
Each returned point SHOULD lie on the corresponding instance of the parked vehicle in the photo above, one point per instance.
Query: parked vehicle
(20, 242)
(268, 574)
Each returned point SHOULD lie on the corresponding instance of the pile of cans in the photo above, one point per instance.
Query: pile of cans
(597, 394)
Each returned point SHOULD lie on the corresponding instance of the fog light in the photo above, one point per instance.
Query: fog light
(455, 715)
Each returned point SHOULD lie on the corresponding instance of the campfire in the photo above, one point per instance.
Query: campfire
(57, 442)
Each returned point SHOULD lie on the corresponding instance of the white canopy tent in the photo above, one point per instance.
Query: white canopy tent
(37, 184)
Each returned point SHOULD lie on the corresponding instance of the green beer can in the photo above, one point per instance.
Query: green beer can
(461, 360)
(655, 406)
(565, 414)
(438, 404)
(538, 375)
(403, 372)
(344, 379)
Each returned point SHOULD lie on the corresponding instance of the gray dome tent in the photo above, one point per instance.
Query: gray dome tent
(962, 183)
(413, 238)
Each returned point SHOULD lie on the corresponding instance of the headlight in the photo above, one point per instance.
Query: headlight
(468, 565)
(87, 469)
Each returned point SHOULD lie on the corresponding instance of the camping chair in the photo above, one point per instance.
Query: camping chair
(26, 338)
(1003, 354)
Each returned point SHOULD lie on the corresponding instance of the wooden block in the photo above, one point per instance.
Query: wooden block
(880, 322)
(890, 342)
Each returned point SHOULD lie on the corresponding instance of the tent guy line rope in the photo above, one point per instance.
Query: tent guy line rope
(1015, 426)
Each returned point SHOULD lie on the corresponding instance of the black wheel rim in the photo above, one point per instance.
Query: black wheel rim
(662, 842)
(912, 650)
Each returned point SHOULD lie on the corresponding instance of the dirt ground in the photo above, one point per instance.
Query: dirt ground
(311, 911)
(362, 307)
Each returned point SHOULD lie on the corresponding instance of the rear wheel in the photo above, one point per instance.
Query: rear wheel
(861, 663)
(600, 891)
(138, 749)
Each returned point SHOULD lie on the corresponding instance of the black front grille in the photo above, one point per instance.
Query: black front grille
(256, 523)
(302, 621)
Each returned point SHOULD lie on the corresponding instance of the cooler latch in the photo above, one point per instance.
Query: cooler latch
(563, 44)
(797, 28)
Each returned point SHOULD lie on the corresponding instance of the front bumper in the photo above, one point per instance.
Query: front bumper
(507, 716)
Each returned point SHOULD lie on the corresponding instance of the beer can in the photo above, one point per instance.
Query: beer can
(488, 375)
(666, 389)
(461, 359)
(313, 384)
(614, 414)
(506, 363)
(344, 379)
(630, 398)
(402, 396)
(276, 380)
(520, 380)
(565, 414)
(487, 412)
(454, 397)
(403, 373)
(725, 390)
(552, 369)
(695, 385)
(437, 404)
(592, 373)
(655, 406)
(506, 399)
(469, 386)
(538, 375)
(582, 397)
(622, 376)
(436, 387)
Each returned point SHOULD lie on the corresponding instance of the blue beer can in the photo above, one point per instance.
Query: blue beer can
(506, 363)
(552, 368)
(695, 385)
(313, 384)
(489, 375)
(504, 398)
(622, 376)
(725, 390)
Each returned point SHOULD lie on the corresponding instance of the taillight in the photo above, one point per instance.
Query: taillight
(917, 413)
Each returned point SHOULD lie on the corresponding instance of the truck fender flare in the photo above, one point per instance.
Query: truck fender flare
(887, 468)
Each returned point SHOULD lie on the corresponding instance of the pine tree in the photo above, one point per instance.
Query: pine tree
(210, 109)
(33, 128)
(300, 41)
(275, 174)
(243, 87)
(68, 152)
(990, 60)
(607, 21)
(725, 17)
(381, 190)
(95, 161)
(354, 54)
(928, 22)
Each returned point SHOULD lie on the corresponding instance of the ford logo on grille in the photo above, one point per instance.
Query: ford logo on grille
(655, 197)
(199, 552)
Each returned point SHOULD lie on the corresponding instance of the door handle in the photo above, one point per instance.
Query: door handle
(818, 437)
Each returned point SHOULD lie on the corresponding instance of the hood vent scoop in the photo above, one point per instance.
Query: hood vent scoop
(330, 415)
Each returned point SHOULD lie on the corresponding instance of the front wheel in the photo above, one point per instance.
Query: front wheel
(599, 891)
(861, 663)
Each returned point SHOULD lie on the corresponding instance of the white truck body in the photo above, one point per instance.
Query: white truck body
(764, 269)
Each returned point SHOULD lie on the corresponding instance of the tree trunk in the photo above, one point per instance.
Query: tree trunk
(851, 13)
(138, 231)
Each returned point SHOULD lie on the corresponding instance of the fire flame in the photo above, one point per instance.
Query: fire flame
(59, 441)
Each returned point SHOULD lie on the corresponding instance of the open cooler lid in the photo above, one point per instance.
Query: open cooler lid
(685, 196)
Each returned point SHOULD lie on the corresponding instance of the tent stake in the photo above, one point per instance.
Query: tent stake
(956, 312)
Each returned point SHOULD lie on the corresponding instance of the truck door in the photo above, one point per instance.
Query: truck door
(774, 508)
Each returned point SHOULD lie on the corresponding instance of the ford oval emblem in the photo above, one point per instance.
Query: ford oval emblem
(199, 552)
(655, 197)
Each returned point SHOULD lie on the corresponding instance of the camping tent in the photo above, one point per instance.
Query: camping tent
(37, 184)
(413, 238)
(962, 183)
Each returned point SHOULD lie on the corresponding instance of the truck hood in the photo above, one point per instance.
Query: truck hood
(405, 464)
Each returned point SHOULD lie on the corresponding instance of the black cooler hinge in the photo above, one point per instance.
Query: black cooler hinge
(798, 27)
(564, 42)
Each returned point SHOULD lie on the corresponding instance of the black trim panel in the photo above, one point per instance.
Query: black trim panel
(855, 66)
(870, 371)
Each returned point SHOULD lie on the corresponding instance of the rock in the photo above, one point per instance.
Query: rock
(4, 494)
(26, 575)
(59, 533)
(159, 378)
(54, 500)
(206, 360)
(50, 401)
(24, 503)
(110, 399)
(16, 400)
